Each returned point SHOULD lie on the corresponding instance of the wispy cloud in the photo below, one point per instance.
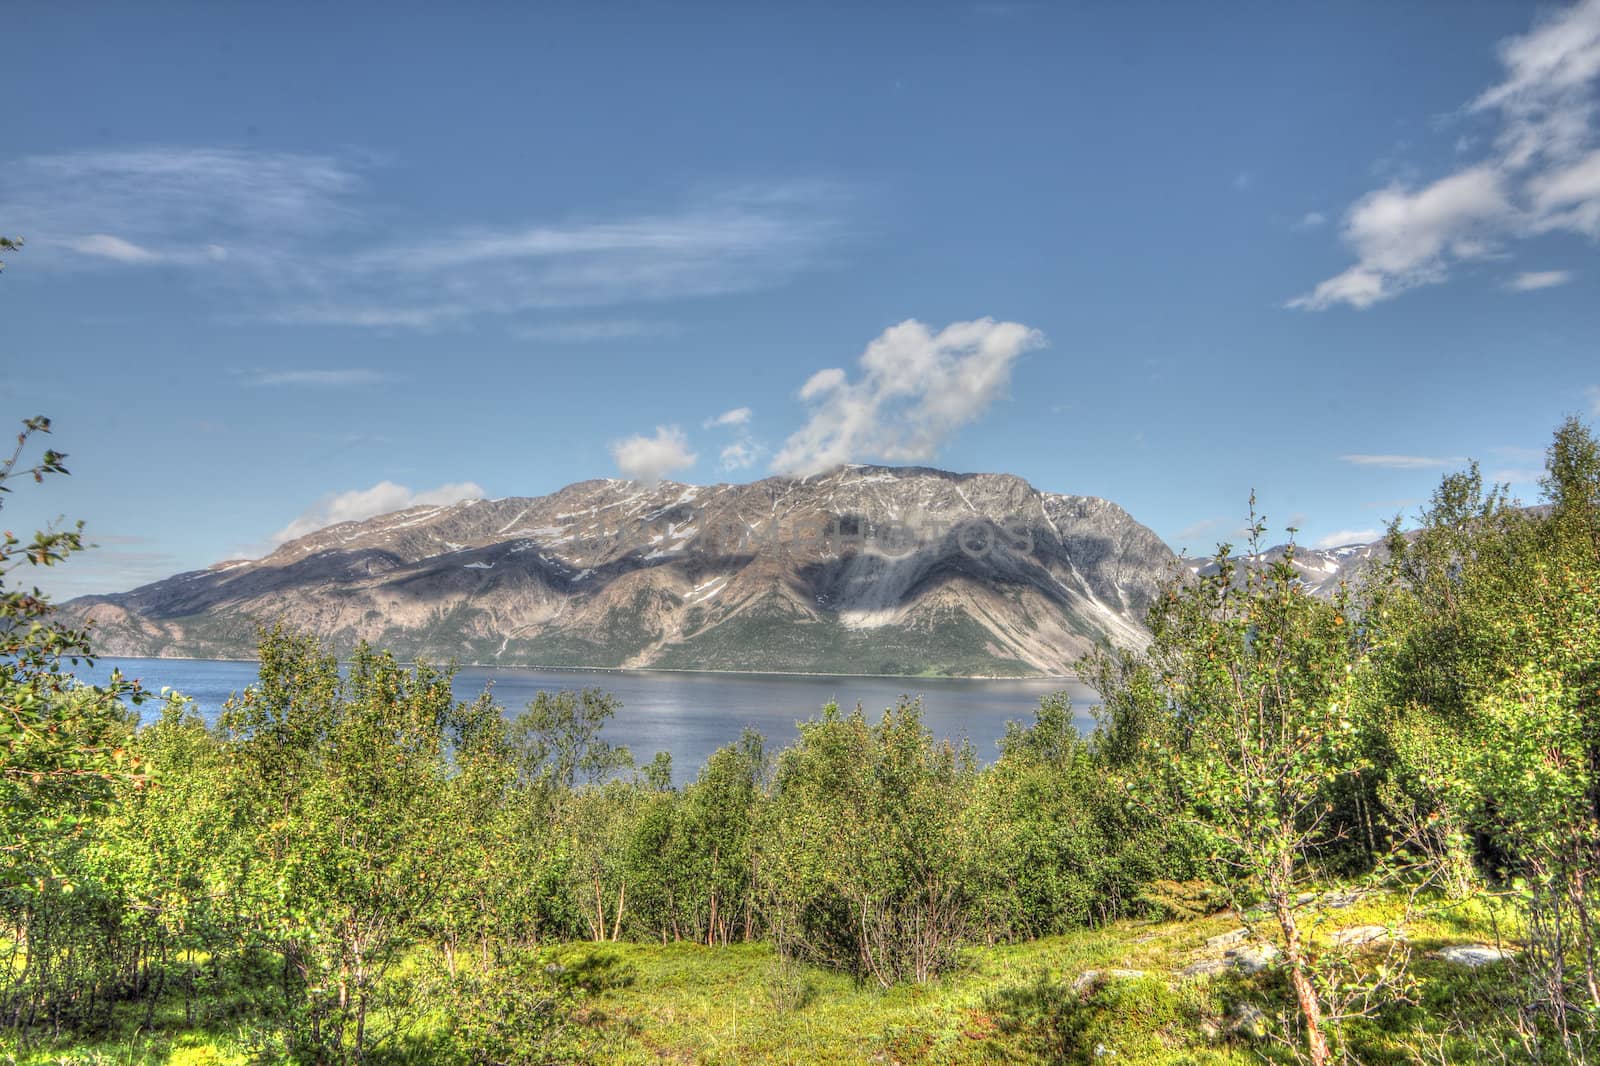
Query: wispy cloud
(1593, 394)
(739, 416)
(744, 452)
(105, 246)
(1195, 530)
(1405, 462)
(360, 504)
(597, 330)
(419, 317)
(1530, 280)
(740, 455)
(1312, 220)
(714, 244)
(1523, 475)
(1341, 537)
(301, 236)
(181, 205)
(315, 378)
(113, 563)
(1541, 175)
(916, 389)
(649, 459)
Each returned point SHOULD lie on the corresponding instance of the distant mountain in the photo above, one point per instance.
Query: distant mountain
(1320, 569)
(863, 569)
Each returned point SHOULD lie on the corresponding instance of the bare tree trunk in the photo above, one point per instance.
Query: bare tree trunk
(616, 926)
(1304, 993)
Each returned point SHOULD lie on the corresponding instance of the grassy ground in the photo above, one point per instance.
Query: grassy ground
(1007, 1004)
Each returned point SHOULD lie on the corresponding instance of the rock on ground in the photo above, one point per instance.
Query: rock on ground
(1252, 958)
(1473, 955)
(1358, 935)
(1091, 979)
(1203, 968)
(1227, 940)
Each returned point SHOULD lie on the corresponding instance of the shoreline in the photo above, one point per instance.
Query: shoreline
(653, 670)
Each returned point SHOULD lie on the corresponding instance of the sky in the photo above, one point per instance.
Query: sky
(290, 264)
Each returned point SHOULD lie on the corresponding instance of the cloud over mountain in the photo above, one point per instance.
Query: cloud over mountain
(649, 459)
(357, 505)
(915, 390)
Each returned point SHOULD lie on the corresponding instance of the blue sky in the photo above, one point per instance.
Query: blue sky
(286, 265)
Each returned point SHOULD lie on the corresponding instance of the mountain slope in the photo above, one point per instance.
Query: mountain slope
(861, 569)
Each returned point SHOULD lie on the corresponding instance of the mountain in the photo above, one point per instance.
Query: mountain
(863, 569)
(1320, 570)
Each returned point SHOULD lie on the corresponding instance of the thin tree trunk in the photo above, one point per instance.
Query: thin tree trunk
(1304, 993)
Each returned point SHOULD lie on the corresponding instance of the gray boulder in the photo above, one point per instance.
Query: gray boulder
(1472, 955)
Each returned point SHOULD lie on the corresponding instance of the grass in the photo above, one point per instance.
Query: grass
(1007, 1004)
(1016, 1003)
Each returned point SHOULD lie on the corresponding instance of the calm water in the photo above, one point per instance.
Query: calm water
(689, 715)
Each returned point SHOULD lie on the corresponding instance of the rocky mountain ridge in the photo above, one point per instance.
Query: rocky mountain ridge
(863, 569)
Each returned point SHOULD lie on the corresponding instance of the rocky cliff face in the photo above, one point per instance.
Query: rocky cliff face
(862, 569)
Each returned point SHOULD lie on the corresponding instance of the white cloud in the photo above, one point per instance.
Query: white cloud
(105, 246)
(745, 451)
(359, 504)
(823, 381)
(1406, 238)
(1542, 176)
(739, 455)
(318, 378)
(1311, 220)
(1342, 537)
(649, 459)
(1530, 280)
(917, 388)
(1593, 393)
(1569, 197)
(1404, 462)
(1546, 97)
(739, 416)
